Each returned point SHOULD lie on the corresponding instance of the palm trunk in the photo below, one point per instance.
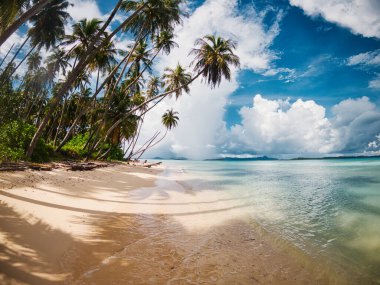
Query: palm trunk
(147, 143)
(5, 57)
(135, 139)
(88, 56)
(60, 121)
(14, 57)
(163, 95)
(22, 19)
(157, 142)
(21, 62)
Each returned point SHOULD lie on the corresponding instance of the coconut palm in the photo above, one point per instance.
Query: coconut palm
(47, 27)
(155, 16)
(164, 41)
(177, 80)
(170, 119)
(10, 9)
(213, 59)
(84, 32)
(49, 24)
(57, 61)
(153, 87)
(34, 61)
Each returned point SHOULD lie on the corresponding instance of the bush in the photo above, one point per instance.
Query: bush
(14, 140)
(75, 146)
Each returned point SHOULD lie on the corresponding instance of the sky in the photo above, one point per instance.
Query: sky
(308, 85)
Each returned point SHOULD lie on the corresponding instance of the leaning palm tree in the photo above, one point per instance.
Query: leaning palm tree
(177, 80)
(34, 61)
(213, 58)
(166, 15)
(57, 61)
(212, 61)
(10, 9)
(48, 27)
(170, 119)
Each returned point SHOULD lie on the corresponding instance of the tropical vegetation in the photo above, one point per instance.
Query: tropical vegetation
(76, 94)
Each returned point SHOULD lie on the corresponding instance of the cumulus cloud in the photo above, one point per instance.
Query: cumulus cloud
(281, 127)
(81, 9)
(201, 128)
(360, 16)
(301, 127)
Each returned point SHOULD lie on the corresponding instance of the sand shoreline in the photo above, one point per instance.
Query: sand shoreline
(132, 225)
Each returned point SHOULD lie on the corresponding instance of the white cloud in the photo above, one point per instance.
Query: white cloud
(375, 83)
(201, 125)
(370, 58)
(281, 127)
(84, 9)
(360, 16)
(14, 40)
(277, 126)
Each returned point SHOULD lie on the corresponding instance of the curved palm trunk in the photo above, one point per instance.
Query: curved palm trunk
(87, 57)
(161, 96)
(5, 57)
(93, 98)
(14, 57)
(60, 121)
(22, 19)
(152, 145)
(135, 139)
(21, 62)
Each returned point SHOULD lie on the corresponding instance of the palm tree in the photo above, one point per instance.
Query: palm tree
(166, 18)
(9, 11)
(213, 59)
(177, 80)
(155, 16)
(84, 34)
(169, 120)
(48, 26)
(34, 61)
(57, 61)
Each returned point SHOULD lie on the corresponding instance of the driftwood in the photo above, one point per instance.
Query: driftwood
(13, 166)
(152, 164)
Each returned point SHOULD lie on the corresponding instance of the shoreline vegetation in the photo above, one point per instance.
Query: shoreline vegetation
(51, 108)
(106, 225)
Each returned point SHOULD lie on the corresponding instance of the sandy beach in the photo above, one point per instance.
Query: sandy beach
(134, 225)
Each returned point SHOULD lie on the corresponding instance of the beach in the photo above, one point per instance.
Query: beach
(133, 225)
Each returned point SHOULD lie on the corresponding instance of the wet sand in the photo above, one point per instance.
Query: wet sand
(122, 225)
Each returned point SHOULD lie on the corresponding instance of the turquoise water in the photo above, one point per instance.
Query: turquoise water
(329, 209)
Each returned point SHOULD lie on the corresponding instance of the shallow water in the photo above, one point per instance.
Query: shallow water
(329, 209)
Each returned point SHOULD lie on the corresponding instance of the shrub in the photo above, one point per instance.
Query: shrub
(14, 140)
(75, 146)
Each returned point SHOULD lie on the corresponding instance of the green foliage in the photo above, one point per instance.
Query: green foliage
(116, 153)
(14, 140)
(75, 147)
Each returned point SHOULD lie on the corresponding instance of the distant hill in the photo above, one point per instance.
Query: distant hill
(337, 157)
(261, 158)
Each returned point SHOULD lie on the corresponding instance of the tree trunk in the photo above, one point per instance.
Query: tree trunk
(5, 57)
(87, 57)
(22, 19)
(163, 95)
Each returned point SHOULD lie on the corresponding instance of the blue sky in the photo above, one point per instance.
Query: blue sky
(309, 83)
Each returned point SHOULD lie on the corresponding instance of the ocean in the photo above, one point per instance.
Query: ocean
(327, 209)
